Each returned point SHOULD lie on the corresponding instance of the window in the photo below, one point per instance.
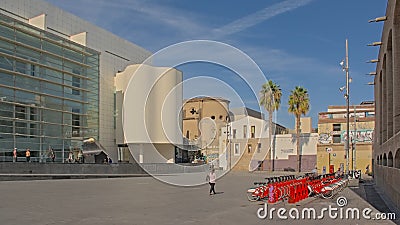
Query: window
(75, 123)
(244, 131)
(33, 70)
(248, 148)
(258, 147)
(20, 112)
(76, 82)
(213, 117)
(336, 127)
(253, 131)
(187, 134)
(221, 117)
(336, 139)
(21, 127)
(237, 150)
(33, 114)
(234, 133)
(33, 129)
(21, 67)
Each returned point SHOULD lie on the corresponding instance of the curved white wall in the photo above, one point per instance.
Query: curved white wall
(152, 103)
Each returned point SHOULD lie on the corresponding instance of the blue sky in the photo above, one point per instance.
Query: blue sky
(294, 42)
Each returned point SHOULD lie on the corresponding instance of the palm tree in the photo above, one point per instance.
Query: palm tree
(299, 103)
(271, 99)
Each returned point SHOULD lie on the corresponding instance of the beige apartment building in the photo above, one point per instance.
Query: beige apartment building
(249, 147)
(305, 125)
(332, 137)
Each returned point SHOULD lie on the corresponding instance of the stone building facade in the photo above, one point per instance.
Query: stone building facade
(386, 149)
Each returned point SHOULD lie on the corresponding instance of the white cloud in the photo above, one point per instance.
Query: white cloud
(258, 17)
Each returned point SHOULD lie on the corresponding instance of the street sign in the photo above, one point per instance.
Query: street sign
(328, 150)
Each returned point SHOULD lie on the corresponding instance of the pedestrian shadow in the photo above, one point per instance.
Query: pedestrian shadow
(218, 192)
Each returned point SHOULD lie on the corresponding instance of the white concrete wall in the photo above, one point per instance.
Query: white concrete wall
(153, 153)
(261, 127)
(150, 112)
(286, 145)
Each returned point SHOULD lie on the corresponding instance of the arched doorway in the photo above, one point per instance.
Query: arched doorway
(397, 159)
(390, 159)
(384, 160)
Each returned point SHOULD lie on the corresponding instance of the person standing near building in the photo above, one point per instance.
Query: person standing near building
(70, 157)
(315, 172)
(212, 177)
(52, 154)
(28, 155)
(80, 156)
(15, 155)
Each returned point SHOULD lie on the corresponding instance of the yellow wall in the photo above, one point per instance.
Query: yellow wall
(363, 157)
(205, 108)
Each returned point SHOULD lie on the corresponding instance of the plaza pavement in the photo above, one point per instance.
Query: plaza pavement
(145, 200)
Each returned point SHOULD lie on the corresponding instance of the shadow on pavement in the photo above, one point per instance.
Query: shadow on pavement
(367, 191)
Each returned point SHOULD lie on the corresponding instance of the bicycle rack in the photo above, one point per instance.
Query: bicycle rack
(295, 189)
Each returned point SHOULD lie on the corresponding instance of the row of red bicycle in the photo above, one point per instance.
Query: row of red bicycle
(294, 189)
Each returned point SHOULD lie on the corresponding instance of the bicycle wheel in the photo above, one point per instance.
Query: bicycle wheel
(251, 196)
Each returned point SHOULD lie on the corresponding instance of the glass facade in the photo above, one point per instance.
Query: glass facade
(49, 92)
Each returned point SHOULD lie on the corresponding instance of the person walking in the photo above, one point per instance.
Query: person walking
(15, 155)
(367, 169)
(212, 177)
(28, 155)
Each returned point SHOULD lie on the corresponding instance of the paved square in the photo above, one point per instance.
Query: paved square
(144, 200)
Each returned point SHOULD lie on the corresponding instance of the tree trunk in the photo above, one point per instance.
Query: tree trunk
(298, 143)
(272, 163)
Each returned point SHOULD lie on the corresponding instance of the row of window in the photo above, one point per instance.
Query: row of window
(193, 111)
(236, 151)
(234, 132)
(33, 70)
(252, 132)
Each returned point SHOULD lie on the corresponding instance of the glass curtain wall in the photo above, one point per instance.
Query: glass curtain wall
(49, 92)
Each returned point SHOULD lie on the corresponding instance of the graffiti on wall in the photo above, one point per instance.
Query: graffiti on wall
(325, 138)
(365, 136)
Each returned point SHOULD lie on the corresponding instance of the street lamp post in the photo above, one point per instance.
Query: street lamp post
(346, 68)
(354, 143)
(228, 143)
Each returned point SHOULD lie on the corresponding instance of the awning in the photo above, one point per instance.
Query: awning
(95, 152)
